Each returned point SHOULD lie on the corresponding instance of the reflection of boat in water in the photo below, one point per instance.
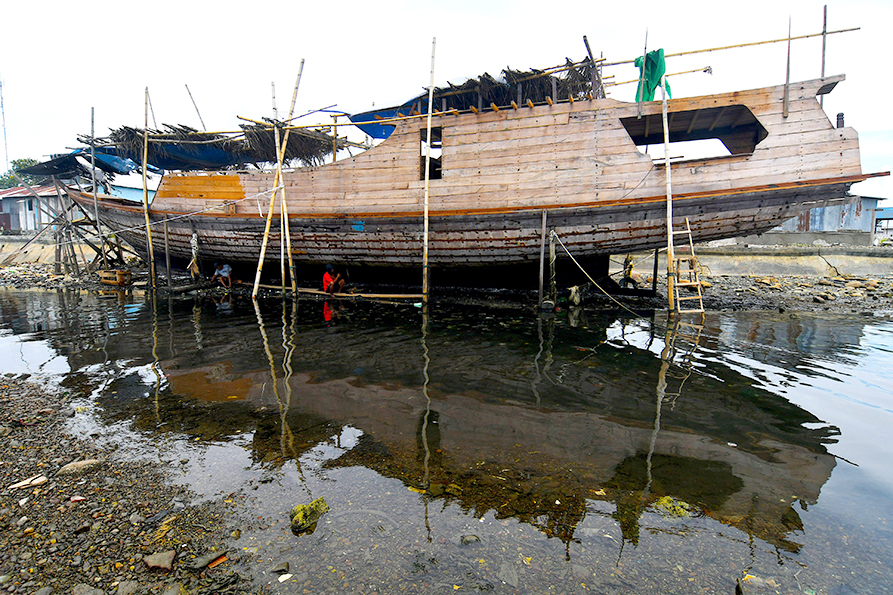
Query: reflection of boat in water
(729, 449)
(745, 461)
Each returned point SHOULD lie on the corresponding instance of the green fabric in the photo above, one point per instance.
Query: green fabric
(655, 68)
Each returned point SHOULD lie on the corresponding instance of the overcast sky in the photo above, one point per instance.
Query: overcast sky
(59, 59)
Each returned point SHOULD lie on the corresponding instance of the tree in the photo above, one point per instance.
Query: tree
(8, 180)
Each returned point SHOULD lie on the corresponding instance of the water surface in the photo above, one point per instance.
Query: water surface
(491, 450)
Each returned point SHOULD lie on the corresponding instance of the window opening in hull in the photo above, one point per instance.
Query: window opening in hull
(698, 134)
(436, 170)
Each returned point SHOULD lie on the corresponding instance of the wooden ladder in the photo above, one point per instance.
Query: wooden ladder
(687, 272)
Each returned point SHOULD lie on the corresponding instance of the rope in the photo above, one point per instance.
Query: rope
(591, 280)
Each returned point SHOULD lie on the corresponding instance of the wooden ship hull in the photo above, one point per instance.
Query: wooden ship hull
(505, 172)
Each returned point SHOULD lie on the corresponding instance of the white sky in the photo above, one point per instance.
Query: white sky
(59, 59)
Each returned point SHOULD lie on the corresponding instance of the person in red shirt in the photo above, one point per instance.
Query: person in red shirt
(332, 284)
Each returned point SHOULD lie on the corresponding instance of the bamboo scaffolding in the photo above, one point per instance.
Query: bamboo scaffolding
(276, 186)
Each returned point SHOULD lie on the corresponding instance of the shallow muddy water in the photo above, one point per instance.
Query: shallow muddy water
(491, 450)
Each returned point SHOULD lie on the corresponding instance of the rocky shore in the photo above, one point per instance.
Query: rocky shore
(73, 519)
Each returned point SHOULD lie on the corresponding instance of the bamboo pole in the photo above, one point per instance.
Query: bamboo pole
(427, 179)
(291, 111)
(671, 258)
(824, 40)
(149, 249)
(105, 263)
(279, 176)
(204, 128)
(641, 90)
(738, 45)
(787, 76)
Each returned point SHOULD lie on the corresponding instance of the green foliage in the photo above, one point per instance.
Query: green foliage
(7, 180)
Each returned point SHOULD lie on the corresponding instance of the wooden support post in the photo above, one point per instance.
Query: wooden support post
(427, 180)
(554, 91)
(334, 138)
(167, 256)
(654, 272)
(553, 291)
(149, 249)
(542, 258)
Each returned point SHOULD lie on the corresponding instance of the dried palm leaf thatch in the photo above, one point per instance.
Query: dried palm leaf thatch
(307, 146)
(574, 79)
(183, 147)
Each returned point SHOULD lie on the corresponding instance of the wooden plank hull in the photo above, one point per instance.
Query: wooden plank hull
(500, 170)
(475, 239)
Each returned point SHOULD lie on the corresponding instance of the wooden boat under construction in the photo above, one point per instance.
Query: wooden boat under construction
(503, 171)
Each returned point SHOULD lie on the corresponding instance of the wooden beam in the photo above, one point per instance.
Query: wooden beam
(716, 119)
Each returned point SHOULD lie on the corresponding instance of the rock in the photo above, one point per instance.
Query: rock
(853, 284)
(469, 539)
(127, 587)
(305, 516)
(175, 589)
(80, 467)
(161, 560)
(202, 561)
(507, 573)
(818, 299)
(44, 591)
(31, 482)
(85, 589)
(281, 568)
(136, 518)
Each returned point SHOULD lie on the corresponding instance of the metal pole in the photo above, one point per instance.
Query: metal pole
(427, 179)
(671, 258)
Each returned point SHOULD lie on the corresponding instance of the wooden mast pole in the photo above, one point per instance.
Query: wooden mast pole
(150, 251)
(671, 257)
(427, 179)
